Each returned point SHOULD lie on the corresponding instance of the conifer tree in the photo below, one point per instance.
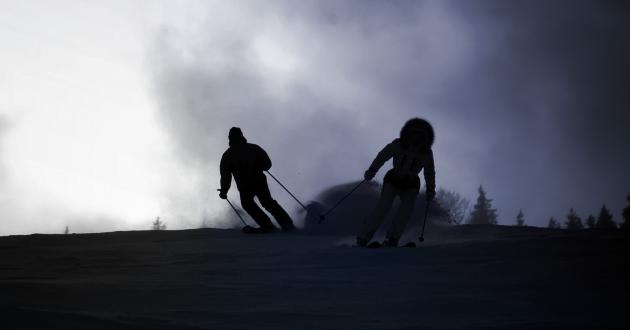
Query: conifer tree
(553, 224)
(520, 220)
(483, 213)
(605, 219)
(626, 216)
(590, 221)
(574, 222)
(159, 224)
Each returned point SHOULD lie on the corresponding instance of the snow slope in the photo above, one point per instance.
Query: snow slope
(472, 277)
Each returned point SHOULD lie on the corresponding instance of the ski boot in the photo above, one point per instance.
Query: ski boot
(390, 242)
(289, 228)
(361, 242)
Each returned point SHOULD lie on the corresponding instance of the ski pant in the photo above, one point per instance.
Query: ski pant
(388, 193)
(261, 191)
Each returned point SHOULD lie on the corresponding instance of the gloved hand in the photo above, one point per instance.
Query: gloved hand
(223, 194)
(430, 195)
(369, 174)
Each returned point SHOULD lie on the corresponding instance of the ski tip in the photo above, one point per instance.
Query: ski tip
(374, 245)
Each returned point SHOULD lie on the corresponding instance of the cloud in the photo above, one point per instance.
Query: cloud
(321, 88)
(528, 99)
(511, 88)
(4, 125)
(547, 84)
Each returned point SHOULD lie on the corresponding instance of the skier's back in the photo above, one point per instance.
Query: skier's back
(247, 162)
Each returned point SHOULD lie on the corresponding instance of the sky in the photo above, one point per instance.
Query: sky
(113, 113)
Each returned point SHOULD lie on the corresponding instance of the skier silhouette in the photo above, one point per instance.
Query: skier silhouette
(411, 153)
(247, 161)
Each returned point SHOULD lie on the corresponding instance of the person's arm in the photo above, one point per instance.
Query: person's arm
(263, 159)
(384, 155)
(225, 169)
(429, 174)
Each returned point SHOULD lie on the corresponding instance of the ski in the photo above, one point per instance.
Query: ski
(378, 245)
(256, 230)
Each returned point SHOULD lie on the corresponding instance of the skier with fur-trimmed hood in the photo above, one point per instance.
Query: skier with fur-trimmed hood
(411, 153)
(246, 162)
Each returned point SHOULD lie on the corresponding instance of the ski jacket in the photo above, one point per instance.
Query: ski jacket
(408, 162)
(246, 162)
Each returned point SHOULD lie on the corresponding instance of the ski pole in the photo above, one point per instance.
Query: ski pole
(285, 188)
(235, 211)
(323, 216)
(426, 213)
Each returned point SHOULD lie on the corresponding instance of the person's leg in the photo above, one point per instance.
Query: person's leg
(407, 203)
(378, 214)
(249, 205)
(273, 207)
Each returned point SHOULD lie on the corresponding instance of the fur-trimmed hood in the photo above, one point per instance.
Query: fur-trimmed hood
(417, 124)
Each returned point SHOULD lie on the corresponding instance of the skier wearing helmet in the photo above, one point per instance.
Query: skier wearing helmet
(411, 153)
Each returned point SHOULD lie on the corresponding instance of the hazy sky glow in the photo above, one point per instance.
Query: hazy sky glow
(114, 113)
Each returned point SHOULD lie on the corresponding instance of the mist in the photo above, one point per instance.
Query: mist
(126, 116)
(527, 99)
(309, 83)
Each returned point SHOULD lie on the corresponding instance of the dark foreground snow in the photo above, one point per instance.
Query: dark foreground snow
(468, 277)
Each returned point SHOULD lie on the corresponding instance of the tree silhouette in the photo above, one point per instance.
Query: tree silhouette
(605, 219)
(483, 213)
(590, 221)
(626, 215)
(574, 222)
(553, 223)
(67, 231)
(159, 224)
(520, 221)
(454, 204)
